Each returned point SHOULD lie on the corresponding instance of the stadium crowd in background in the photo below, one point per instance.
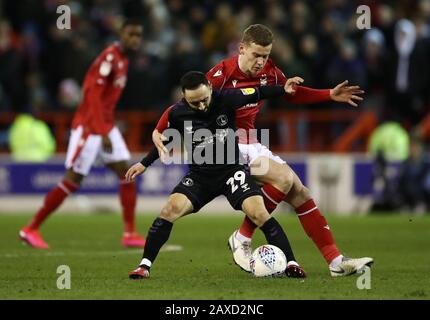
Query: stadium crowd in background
(42, 66)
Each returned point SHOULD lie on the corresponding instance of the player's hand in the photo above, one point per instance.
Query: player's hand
(344, 93)
(135, 170)
(158, 139)
(290, 85)
(107, 144)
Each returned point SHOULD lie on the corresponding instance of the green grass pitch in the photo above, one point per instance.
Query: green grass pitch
(203, 269)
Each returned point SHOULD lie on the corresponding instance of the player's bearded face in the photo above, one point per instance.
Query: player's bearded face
(199, 98)
(253, 57)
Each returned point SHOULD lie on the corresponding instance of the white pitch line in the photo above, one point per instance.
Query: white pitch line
(166, 248)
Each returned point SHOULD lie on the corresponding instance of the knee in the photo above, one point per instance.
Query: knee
(171, 211)
(258, 216)
(304, 193)
(285, 180)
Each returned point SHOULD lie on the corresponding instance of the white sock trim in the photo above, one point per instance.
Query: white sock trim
(241, 237)
(145, 262)
(336, 261)
(63, 187)
(268, 197)
(306, 212)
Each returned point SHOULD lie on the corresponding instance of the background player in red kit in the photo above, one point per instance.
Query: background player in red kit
(252, 67)
(94, 135)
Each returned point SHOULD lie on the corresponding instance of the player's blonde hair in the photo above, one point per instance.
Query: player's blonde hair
(258, 34)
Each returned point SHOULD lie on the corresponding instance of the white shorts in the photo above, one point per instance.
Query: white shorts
(254, 150)
(83, 152)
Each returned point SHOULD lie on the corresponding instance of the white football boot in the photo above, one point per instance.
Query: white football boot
(242, 251)
(350, 266)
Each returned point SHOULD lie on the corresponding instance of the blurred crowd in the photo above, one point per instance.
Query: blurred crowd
(42, 67)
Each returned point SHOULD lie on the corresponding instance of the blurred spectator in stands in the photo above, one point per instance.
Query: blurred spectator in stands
(388, 143)
(276, 18)
(221, 33)
(188, 55)
(246, 17)
(69, 94)
(11, 69)
(30, 139)
(408, 75)
(317, 40)
(346, 65)
(414, 176)
(374, 54)
(300, 23)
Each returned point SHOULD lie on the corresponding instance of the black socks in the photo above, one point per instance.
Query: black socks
(157, 236)
(276, 236)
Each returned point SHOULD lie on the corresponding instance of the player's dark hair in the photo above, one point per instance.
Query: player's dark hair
(132, 22)
(259, 34)
(192, 80)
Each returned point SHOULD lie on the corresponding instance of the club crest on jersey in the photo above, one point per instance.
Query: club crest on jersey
(218, 73)
(222, 120)
(234, 82)
(105, 68)
(187, 182)
(263, 80)
(247, 91)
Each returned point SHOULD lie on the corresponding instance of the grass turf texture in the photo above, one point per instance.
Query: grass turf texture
(204, 268)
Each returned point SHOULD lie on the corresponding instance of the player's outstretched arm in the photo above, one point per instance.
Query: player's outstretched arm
(347, 94)
(134, 171)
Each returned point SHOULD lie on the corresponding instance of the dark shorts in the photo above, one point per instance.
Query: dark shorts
(234, 182)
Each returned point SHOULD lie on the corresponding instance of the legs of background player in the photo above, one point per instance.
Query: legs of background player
(52, 201)
(127, 196)
(177, 206)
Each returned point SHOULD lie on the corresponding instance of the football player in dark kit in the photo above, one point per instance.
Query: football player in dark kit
(205, 119)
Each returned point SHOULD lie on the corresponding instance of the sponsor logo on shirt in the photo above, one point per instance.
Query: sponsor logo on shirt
(247, 91)
(249, 105)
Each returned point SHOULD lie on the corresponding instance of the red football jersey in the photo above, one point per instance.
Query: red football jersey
(103, 84)
(227, 74)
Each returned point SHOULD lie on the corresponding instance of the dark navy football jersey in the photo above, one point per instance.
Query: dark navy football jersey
(209, 137)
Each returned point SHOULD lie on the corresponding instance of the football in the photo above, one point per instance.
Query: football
(268, 261)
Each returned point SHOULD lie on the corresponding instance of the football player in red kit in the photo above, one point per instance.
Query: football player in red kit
(95, 136)
(253, 67)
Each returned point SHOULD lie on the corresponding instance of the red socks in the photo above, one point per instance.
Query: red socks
(52, 201)
(128, 195)
(272, 197)
(317, 229)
